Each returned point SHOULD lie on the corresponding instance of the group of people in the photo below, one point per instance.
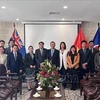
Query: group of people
(68, 62)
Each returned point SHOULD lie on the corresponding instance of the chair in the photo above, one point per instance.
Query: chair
(92, 91)
(86, 81)
(13, 81)
(6, 92)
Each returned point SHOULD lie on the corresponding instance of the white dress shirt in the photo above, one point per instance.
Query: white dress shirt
(15, 55)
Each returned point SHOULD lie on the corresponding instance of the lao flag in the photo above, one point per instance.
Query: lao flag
(97, 38)
(18, 42)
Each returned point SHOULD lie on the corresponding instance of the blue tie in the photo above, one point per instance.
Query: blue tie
(52, 51)
(15, 56)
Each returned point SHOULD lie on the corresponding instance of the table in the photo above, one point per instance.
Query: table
(48, 92)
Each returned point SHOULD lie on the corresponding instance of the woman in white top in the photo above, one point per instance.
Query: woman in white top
(63, 63)
(3, 61)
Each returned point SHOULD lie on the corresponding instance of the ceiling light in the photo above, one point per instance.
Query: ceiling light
(65, 7)
(63, 19)
(3, 7)
(17, 19)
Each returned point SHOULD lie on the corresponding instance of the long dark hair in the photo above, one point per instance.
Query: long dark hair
(70, 52)
(64, 45)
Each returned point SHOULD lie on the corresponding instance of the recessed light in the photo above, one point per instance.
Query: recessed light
(65, 7)
(17, 19)
(3, 7)
(63, 19)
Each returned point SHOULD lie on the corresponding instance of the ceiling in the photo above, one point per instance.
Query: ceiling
(33, 10)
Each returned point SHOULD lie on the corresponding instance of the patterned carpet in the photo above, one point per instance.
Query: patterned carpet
(69, 94)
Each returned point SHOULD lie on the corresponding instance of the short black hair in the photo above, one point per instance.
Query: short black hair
(30, 46)
(2, 41)
(64, 45)
(41, 42)
(15, 45)
(12, 40)
(52, 42)
(2, 47)
(91, 41)
(84, 41)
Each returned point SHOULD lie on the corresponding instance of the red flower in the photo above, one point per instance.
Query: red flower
(56, 73)
(50, 73)
(42, 66)
(47, 75)
(42, 72)
(59, 75)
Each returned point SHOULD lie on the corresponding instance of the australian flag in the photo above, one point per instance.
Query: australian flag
(97, 38)
(18, 42)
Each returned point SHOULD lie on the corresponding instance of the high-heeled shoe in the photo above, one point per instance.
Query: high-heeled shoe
(29, 89)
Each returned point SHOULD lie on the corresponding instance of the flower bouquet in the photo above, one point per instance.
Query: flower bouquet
(48, 74)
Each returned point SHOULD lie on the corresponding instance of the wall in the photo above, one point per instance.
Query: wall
(89, 29)
(6, 29)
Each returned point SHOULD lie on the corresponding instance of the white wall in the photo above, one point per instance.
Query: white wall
(48, 33)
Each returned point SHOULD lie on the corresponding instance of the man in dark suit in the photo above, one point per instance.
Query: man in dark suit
(2, 43)
(53, 55)
(85, 56)
(40, 54)
(9, 49)
(93, 52)
(14, 61)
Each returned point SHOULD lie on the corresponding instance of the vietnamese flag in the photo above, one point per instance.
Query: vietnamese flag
(80, 37)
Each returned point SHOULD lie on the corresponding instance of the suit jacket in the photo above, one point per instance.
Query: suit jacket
(14, 65)
(29, 61)
(63, 57)
(40, 58)
(55, 58)
(91, 63)
(3, 59)
(8, 50)
(97, 60)
(76, 61)
(84, 58)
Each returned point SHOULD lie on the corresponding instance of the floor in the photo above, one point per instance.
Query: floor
(69, 94)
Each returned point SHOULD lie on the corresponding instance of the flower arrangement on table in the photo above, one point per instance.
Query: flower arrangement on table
(48, 74)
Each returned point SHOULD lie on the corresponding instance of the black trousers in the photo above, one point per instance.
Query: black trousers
(2, 70)
(83, 72)
(91, 67)
(73, 77)
(63, 74)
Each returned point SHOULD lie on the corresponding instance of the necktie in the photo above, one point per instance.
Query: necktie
(41, 51)
(15, 55)
(52, 51)
(92, 50)
(84, 51)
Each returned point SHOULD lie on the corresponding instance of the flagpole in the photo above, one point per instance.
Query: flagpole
(14, 26)
(98, 24)
(79, 26)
